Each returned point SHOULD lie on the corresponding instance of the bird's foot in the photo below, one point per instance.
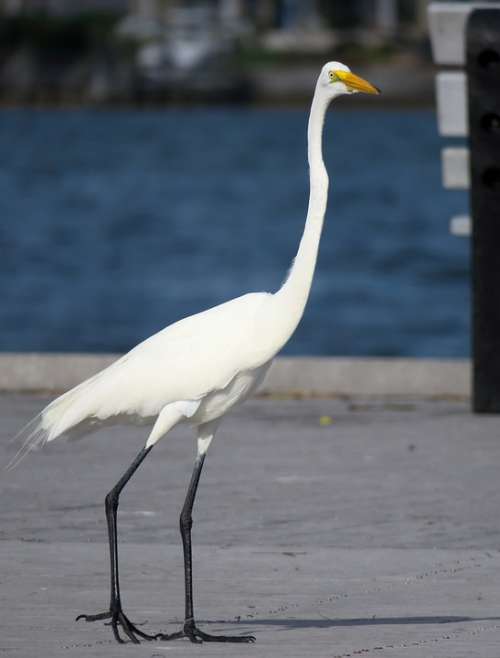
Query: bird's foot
(197, 637)
(118, 618)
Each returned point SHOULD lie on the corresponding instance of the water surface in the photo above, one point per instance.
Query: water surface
(114, 224)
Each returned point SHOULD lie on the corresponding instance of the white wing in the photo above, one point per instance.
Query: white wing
(185, 361)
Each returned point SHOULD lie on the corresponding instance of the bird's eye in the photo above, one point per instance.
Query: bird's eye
(333, 76)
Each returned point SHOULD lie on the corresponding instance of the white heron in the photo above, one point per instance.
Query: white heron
(197, 369)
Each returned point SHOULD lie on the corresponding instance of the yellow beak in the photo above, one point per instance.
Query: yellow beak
(356, 83)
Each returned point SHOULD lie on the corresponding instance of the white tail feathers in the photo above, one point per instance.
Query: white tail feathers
(58, 417)
(32, 436)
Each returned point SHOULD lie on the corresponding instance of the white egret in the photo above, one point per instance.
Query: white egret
(197, 369)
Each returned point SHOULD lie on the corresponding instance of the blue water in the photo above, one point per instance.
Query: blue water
(115, 224)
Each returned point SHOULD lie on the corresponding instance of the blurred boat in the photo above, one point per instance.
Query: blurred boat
(189, 54)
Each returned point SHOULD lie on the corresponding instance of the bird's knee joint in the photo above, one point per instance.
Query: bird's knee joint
(186, 522)
(111, 501)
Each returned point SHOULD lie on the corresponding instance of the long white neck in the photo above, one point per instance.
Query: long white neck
(294, 292)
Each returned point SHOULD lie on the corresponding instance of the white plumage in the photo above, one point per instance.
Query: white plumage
(197, 369)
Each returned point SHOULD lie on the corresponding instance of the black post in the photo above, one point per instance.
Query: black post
(483, 72)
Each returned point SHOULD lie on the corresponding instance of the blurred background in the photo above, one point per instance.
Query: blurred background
(154, 164)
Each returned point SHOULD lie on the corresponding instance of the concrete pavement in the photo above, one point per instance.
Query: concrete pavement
(336, 527)
(303, 376)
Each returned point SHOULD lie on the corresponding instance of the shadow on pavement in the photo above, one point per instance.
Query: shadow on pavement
(325, 622)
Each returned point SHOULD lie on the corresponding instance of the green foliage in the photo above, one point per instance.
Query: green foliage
(357, 53)
(257, 57)
(42, 32)
(339, 14)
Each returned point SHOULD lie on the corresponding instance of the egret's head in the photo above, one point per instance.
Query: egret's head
(336, 79)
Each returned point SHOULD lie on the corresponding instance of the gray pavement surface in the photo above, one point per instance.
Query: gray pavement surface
(336, 527)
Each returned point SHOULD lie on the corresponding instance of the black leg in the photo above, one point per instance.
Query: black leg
(186, 522)
(115, 612)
